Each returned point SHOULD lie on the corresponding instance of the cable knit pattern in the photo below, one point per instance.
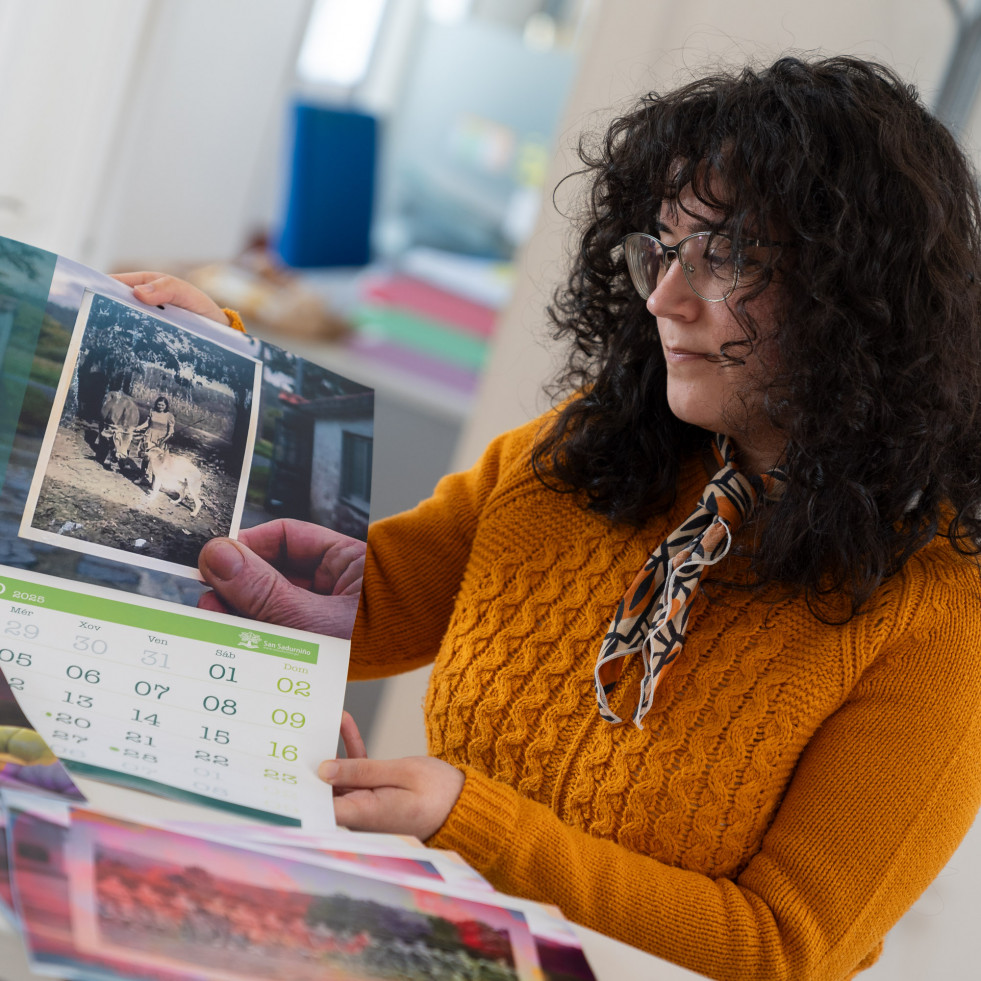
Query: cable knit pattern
(796, 784)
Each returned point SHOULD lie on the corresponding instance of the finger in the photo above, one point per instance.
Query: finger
(333, 563)
(372, 810)
(408, 796)
(341, 569)
(136, 278)
(354, 747)
(155, 289)
(252, 587)
(362, 773)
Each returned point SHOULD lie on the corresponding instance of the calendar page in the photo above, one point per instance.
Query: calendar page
(225, 712)
(130, 436)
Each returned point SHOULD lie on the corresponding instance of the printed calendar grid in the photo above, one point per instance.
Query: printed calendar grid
(188, 715)
(266, 813)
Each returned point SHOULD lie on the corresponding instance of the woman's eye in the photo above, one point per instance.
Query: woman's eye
(719, 257)
(748, 262)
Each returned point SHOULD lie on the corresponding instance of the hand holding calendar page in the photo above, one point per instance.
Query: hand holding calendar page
(130, 436)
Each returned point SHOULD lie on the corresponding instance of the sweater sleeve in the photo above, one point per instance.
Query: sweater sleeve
(879, 801)
(415, 562)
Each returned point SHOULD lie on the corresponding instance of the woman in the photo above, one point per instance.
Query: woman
(161, 424)
(750, 532)
(159, 428)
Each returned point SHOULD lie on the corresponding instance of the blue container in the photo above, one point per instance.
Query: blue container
(330, 198)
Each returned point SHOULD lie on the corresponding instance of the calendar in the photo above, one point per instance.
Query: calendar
(206, 707)
(130, 436)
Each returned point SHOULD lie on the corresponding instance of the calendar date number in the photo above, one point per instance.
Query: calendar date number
(279, 775)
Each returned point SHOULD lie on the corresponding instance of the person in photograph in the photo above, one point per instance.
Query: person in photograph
(704, 636)
(158, 429)
(161, 425)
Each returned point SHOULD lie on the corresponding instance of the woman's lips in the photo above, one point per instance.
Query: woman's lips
(680, 354)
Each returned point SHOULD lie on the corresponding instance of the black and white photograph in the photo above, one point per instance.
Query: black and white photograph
(148, 447)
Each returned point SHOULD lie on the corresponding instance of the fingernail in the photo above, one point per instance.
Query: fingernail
(146, 287)
(223, 560)
(327, 770)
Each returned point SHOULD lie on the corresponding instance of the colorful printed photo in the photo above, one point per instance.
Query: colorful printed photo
(172, 906)
(26, 760)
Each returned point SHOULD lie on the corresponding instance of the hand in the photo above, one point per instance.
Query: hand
(288, 572)
(154, 288)
(408, 806)
(411, 796)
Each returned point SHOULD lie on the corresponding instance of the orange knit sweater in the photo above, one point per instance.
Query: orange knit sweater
(796, 785)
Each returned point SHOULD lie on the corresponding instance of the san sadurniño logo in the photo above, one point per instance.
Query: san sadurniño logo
(268, 644)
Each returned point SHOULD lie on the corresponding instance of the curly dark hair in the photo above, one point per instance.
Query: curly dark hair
(879, 339)
(164, 399)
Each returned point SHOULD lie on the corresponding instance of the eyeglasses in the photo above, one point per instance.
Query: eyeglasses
(712, 265)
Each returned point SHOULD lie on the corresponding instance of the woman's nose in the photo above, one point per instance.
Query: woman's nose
(673, 297)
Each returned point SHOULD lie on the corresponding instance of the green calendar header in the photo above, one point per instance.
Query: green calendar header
(240, 636)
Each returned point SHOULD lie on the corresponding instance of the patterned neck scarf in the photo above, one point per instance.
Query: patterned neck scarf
(652, 616)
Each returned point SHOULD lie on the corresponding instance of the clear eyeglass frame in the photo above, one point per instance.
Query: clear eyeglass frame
(647, 256)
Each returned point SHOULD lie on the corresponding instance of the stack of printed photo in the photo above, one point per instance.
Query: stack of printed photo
(98, 897)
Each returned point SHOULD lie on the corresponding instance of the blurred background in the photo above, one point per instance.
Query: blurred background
(370, 182)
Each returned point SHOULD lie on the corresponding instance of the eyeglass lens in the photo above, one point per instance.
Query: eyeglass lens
(706, 260)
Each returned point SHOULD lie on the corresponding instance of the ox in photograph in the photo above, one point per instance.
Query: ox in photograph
(148, 447)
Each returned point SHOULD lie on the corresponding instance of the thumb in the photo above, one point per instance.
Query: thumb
(250, 586)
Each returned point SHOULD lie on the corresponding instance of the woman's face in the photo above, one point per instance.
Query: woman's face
(161, 405)
(716, 396)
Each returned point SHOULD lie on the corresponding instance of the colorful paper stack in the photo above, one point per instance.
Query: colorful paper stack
(423, 329)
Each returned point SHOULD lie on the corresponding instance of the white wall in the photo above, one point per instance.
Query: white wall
(195, 169)
(137, 130)
(63, 73)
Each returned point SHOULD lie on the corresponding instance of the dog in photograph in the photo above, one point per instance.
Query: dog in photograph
(171, 473)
